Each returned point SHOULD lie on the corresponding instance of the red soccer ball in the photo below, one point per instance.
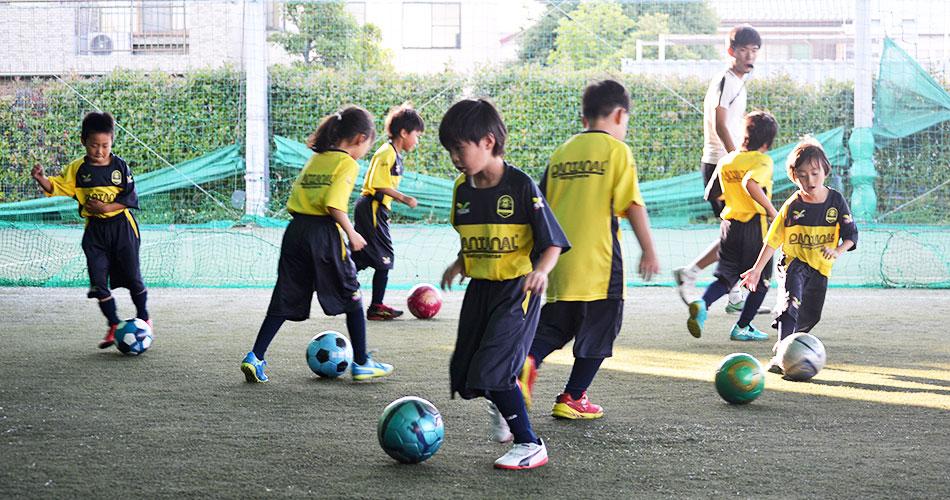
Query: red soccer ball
(424, 301)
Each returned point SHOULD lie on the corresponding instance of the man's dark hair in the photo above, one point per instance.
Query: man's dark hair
(760, 130)
(603, 97)
(743, 35)
(97, 123)
(471, 120)
(403, 117)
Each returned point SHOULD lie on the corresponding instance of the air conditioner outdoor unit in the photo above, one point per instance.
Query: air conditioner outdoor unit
(105, 43)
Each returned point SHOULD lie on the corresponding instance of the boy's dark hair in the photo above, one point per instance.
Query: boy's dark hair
(760, 130)
(743, 35)
(471, 120)
(403, 117)
(345, 124)
(97, 123)
(603, 97)
(806, 152)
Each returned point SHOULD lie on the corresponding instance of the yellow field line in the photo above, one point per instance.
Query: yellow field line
(855, 382)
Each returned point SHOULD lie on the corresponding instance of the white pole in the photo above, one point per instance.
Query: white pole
(256, 141)
(861, 142)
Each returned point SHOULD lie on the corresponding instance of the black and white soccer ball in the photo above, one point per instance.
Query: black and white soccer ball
(802, 355)
(133, 337)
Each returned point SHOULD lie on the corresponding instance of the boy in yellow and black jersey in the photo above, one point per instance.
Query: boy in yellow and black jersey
(510, 241)
(372, 212)
(813, 228)
(746, 180)
(102, 183)
(590, 182)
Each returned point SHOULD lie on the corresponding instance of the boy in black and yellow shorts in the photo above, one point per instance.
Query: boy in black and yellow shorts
(813, 228)
(510, 242)
(590, 181)
(373, 209)
(102, 184)
(746, 179)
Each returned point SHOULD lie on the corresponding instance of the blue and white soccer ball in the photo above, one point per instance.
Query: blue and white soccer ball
(133, 337)
(410, 430)
(329, 354)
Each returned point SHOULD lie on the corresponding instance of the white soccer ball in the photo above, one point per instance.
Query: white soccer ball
(802, 355)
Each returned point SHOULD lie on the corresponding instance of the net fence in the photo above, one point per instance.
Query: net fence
(176, 76)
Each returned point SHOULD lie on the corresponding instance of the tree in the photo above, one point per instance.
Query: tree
(590, 36)
(538, 40)
(328, 35)
(681, 17)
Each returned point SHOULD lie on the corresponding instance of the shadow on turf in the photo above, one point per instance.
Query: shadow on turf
(938, 385)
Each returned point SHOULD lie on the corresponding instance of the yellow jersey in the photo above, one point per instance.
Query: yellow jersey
(803, 229)
(112, 183)
(325, 182)
(736, 169)
(591, 181)
(385, 171)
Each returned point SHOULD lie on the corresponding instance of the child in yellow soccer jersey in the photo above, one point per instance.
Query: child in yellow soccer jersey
(746, 180)
(313, 255)
(102, 184)
(371, 215)
(814, 227)
(590, 181)
(510, 241)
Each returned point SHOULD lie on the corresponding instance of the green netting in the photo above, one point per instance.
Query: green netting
(897, 172)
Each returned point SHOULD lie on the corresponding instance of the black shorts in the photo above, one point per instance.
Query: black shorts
(314, 258)
(803, 300)
(112, 255)
(371, 220)
(739, 247)
(715, 191)
(496, 327)
(593, 326)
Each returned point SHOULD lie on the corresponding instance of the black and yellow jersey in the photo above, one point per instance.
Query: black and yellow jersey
(326, 181)
(503, 228)
(735, 170)
(110, 183)
(803, 229)
(385, 171)
(590, 181)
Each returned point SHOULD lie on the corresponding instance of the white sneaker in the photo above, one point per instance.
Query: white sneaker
(523, 456)
(775, 365)
(500, 432)
(685, 284)
(737, 298)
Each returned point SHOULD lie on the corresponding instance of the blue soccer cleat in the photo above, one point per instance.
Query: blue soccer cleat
(370, 370)
(253, 368)
(749, 333)
(697, 318)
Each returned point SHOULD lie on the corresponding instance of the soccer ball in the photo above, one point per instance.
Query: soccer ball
(424, 301)
(410, 430)
(329, 354)
(133, 337)
(802, 355)
(739, 379)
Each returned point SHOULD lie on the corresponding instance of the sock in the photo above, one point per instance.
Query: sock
(716, 290)
(108, 310)
(139, 300)
(540, 350)
(510, 404)
(380, 278)
(582, 375)
(356, 326)
(751, 307)
(266, 334)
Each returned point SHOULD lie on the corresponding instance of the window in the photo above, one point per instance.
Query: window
(431, 25)
(132, 27)
(276, 20)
